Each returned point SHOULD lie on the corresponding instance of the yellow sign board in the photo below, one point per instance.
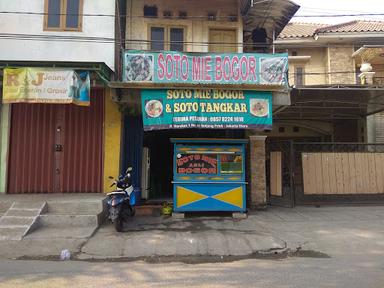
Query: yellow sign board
(44, 85)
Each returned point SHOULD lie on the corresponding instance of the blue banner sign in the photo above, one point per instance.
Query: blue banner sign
(210, 109)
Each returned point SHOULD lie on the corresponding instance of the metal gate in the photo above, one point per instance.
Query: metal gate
(324, 172)
(56, 148)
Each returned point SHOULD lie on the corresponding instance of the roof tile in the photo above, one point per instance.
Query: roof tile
(354, 26)
(304, 30)
(299, 30)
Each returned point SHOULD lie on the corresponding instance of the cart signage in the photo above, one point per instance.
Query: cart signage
(209, 175)
(44, 85)
(196, 164)
(210, 109)
(208, 68)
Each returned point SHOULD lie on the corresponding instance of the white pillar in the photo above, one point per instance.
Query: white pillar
(4, 145)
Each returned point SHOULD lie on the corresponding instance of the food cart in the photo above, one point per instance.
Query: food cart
(209, 175)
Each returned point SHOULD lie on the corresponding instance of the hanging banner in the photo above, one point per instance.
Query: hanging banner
(211, 109)
(44, 85)
(207, 68)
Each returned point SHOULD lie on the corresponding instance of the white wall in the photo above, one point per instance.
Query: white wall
(32, 50)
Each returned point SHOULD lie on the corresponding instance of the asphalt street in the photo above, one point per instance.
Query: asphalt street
(351, 272)
(325, 247)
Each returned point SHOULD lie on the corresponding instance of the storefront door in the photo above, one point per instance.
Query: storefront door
(56, 148)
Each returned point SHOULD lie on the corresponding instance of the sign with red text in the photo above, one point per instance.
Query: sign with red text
(205, 68)
(44, 85)
(196, 164)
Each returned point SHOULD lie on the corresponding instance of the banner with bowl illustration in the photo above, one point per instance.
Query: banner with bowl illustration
(46, 85)
(205, 68)
(210, 109)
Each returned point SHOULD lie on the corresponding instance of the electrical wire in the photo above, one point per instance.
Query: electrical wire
(338, 15)
(304, 73)
(186, 17)
(71, 38)
(62, 38)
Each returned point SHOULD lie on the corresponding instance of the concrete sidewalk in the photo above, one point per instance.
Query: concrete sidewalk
(324, 231)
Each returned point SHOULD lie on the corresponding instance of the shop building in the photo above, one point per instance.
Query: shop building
(198, 71)
(325, 147)
(57, 112)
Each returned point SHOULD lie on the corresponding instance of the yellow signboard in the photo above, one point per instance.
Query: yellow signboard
(44, 85)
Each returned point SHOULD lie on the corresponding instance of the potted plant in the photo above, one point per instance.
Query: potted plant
(166, 208)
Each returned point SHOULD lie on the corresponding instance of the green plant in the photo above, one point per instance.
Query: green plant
(166, 208)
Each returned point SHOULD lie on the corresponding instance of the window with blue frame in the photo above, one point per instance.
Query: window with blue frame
(202, 161)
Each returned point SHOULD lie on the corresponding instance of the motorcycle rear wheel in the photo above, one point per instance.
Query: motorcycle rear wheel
(118, 224)
(131, 211)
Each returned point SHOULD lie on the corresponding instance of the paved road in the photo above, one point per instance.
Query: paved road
(351, 272)
(338, 247)
(334, 231)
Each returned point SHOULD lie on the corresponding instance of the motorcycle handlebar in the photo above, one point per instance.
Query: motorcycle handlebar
(127, 174)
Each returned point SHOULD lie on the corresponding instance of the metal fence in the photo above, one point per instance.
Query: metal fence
(294, 180)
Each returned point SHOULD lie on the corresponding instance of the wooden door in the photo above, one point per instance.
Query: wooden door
(222, 41)
(275, 174)
(280, 173)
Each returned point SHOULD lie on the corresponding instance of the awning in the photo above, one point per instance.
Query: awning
(272, 15)
(370, 54)
(332, 103)
(149, 85)
(99, 70)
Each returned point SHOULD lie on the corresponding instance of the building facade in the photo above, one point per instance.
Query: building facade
(167, 37)
(47, 144)
(319, 151)
(323, 56)
(101, 39)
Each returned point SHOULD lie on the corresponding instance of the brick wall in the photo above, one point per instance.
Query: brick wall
(378, 79)
(257, 197)
(341, 65)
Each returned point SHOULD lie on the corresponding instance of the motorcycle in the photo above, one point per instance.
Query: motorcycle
(120, 206)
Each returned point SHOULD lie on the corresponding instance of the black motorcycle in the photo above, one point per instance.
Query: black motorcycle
(120, 206)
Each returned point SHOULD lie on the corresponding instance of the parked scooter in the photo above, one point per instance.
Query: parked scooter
(119, 204)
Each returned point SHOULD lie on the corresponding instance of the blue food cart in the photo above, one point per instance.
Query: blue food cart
(209, 175)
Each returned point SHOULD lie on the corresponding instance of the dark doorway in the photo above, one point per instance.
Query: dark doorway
(346, 131)
(161, 151)
(132, 148)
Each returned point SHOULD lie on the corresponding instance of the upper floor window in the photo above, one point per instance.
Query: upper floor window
(63, 15)
(167, 38)
(299, 76)
(222, 41)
